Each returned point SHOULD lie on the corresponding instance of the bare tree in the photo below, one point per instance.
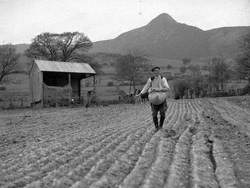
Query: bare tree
(195, 70)
(59, 47)
(8, 61)
(129, 67)
(218, 72)
(243, 60)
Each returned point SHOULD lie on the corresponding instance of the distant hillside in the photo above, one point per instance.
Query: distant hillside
(164, 37)
(20, 48)
(225, 41)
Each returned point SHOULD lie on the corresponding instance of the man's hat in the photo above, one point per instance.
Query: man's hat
(154, 68)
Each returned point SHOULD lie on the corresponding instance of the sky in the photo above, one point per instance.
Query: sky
(22, 20)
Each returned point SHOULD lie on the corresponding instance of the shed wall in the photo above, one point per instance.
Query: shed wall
(36, 84)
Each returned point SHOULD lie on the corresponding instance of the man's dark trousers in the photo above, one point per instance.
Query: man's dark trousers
(159, 108)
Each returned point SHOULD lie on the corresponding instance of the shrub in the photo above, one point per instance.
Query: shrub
(110, 83)
(2, 88)
(180, 86)
(246, 90)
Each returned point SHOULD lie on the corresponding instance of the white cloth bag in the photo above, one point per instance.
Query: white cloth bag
(157, 98)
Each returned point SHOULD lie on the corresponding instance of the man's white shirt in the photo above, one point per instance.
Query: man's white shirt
(157, 83)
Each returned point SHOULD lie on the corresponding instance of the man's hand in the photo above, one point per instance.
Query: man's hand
(155, 90)
(152, 90)
(159, 90)
(138, 95)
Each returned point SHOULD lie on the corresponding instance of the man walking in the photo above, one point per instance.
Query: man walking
(159, 85)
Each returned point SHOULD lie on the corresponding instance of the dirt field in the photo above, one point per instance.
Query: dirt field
(205, 143)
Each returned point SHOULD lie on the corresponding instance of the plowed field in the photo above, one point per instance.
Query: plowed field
(204, 143)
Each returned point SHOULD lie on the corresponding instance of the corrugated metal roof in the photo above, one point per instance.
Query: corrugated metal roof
(57, 66)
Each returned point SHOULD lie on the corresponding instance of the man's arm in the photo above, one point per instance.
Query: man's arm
(165, 85)
(145, 88)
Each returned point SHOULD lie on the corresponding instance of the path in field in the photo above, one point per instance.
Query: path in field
(202, 144)
(232, 131)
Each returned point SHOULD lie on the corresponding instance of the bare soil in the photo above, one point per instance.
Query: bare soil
(204, 143)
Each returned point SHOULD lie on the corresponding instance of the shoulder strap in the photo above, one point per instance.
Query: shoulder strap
(152, 78)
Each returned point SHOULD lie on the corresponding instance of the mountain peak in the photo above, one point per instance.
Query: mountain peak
(163, 18)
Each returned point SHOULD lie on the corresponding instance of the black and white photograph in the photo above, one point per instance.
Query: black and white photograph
(124, 94)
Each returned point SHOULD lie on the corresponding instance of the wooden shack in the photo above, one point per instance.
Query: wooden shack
(54, 83)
